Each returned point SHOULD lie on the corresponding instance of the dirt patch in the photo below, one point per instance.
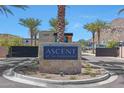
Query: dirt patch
(87, 72)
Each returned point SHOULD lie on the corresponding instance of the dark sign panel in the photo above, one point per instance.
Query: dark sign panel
(61, 52)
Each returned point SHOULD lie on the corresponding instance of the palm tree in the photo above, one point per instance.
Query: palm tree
(35, 33)
(30, 23)
(98, 26)
(90, 27)
(53, 23)
(61, 23)
(5, 9)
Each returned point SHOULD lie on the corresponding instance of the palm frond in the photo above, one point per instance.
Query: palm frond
(5, 9)
(21, 6)
(120, 11)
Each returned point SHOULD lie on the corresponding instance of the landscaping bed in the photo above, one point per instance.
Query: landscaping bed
(88, 71)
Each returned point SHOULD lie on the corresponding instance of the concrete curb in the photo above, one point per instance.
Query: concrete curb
(10, 73)
(105, 62)
(14, 76)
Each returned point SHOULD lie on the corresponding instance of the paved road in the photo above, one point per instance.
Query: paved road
(91, 58)
(4, 83)
(119, 83)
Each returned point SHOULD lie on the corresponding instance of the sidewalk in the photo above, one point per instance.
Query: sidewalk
(16, 60)
(87, 54)
(93, 58)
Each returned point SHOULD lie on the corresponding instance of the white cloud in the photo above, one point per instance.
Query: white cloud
(77, 25)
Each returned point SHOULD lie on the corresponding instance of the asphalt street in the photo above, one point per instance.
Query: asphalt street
(4, 83)
(118, 83)
(115, 62)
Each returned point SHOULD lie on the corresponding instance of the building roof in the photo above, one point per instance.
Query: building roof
(65, 34)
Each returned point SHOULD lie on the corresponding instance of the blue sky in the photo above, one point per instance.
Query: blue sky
(77, 16)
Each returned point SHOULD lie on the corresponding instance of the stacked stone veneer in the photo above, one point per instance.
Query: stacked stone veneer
(58, 66)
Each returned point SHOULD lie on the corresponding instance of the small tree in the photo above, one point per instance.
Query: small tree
(35, 33)
(83, 43)
(98, 26)
(91, 27)
(31, 24)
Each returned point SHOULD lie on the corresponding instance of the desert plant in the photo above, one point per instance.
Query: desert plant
(48, 77)
(11, 42)
(93, 74)
(30, 23)
(112, 44)
(73, 78)
(97, 26)
(83, 43)
(35, 34)
(88, 69)
(91, 27)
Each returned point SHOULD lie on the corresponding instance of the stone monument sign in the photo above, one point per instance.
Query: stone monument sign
(60, 57)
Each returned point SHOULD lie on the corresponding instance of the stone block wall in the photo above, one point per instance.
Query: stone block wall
(56, 66)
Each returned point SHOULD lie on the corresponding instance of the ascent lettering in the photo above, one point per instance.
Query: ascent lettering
(61, 52)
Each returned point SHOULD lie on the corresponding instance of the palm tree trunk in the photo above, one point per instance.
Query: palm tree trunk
(35, 38)
(61, 23)
(31, 35)
(98, 37)
(31, 40)
(93, 35)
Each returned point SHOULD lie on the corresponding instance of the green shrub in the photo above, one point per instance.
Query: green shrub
(87, 72)
(92, 74)
(11, 42)
(88, 69)
(112, 44)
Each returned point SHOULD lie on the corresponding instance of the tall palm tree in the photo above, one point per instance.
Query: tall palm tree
(35, 33)
(30, 23)
(98, 26)
(5, 9)
(61, 23)
(90, 27)
(53, 23)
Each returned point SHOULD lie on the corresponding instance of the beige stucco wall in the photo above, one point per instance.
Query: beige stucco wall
(121, 52)
(46, 36)
(3, 52)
